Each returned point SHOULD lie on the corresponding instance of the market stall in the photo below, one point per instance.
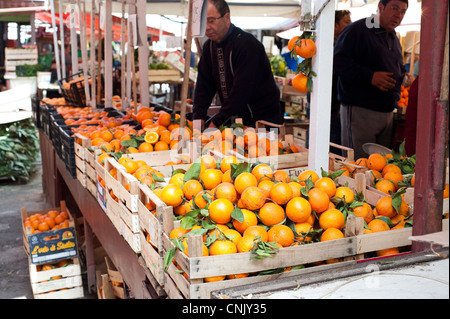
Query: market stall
(126, 168)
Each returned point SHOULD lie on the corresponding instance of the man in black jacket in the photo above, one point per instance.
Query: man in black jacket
(235, 65)
(369, 63)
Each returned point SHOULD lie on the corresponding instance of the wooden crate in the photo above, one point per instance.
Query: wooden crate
(151, 233)
(169, 75)
(198, 267)
(46, 254)
(68, 285)
(118, 284)
(19, 56)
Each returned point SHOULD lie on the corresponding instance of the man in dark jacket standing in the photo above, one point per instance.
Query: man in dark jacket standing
(235, 65)
(369, 63)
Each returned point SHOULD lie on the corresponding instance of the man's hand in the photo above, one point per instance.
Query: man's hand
(383, 80)
(407, 80)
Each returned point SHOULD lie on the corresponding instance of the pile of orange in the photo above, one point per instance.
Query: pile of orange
(271, 204)
(50, 220)
(244, 141)
(404, 97)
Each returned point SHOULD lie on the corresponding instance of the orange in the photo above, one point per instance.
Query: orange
(266, 185)
(361, 162)
(222, 247)
(332, 218)
(253, 198)
(191, 188)
(164, 119)
(211, 178)
(345, 193)
(296, 189)
(307, 48)
(218, 230)
(232, 234)
(385, 186)
(391, 168)
(281, 234)
(326, 184)
(298, 209)
(387, 252)
(394, 177)
(250, 219)
(299, 82)
(172, 195)
(101, 159)
(237, 276)
(151, 137)
(281, 176)
(209, 161)
(177, 232)
(331, 234)
(280, 193)
(130, 166)
(145, 147)
(226, 177)
(244, 180)
(220, 210)
(225, 164)
(164, 136)
(404, 208)
(226, 190)
(200, 201)
(377, 225)
(446, 190)
(302, 229)
(205, 251)
(271, 214)
(161, 146)
(50, 221)
(257, 231)
(364, 211)
(43, 227)
(143, 115)
(303, 176)
(376, 161)
(262, 172)
(384, 207)
(292, 44)
(246, 243)
(318, 200)
(177, 179)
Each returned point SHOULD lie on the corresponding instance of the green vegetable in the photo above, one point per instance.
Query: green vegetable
(19, 149)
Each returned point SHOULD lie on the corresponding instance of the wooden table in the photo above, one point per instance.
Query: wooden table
(58, 185)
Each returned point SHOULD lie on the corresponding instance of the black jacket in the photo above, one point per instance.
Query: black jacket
(360, 50)
(239, 70)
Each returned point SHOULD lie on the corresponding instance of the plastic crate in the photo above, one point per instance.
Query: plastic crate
(68, 149)
(35, 103)
(75, 94)
(55, 135)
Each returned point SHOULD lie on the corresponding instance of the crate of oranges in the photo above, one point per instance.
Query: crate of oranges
(256, 221)
(49, 235)
(57, 280)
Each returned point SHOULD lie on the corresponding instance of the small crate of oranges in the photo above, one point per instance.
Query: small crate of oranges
(49, 235)
(213, 260)
(57, 280)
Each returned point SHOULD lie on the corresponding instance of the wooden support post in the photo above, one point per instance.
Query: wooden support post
(430, 161)
(108, 54)
(319, 127)
(55, 41)
(185, 85)
(143, 53)
(73, 36)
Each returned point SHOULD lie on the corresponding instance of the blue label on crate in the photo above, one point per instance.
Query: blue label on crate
(53, 245)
